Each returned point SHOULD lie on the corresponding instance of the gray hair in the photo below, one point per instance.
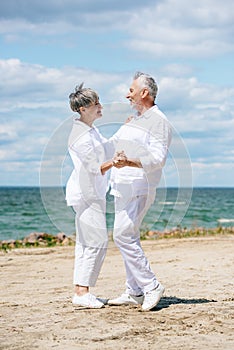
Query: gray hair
(146, 81)
(82, 97)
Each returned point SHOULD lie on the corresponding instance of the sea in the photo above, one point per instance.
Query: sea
(25, 210)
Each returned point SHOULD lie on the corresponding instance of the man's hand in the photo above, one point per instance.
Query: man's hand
(129, 119)
(120, 159)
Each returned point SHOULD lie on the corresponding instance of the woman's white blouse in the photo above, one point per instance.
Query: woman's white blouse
(87, 150)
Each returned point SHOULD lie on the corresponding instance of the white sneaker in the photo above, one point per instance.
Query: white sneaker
(127, 299)
(87, 300)
(152, 298)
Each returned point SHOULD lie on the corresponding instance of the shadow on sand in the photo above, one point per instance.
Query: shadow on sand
(167, 301)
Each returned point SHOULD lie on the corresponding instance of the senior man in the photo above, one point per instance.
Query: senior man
(141, 147)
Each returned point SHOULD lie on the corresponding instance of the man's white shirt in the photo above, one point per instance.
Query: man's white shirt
(146, 137)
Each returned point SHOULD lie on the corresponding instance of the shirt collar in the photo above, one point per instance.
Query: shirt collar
(147, 113)
(81, 124)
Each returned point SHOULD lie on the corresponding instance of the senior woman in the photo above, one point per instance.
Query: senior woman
(86, 193)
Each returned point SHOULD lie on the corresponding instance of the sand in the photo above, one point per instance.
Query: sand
(196, 311)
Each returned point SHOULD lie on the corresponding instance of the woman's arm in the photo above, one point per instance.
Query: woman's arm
(106, 166)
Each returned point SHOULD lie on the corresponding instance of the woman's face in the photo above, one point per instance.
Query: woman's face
(93, 111)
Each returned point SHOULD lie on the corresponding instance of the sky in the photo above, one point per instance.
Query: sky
(49, 47)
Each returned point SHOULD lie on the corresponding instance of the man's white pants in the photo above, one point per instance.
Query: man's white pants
(129, 214)
(91, 241)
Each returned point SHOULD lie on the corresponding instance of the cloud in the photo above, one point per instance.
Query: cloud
(40, 94)
(7, 134)
(37, 10)
(176, 70)
(30, 85)
(53, 17)
(188, 93)
(212, 173)
(169, 28)
(192, 29)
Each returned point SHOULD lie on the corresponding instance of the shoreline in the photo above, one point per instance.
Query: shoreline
(43, 239)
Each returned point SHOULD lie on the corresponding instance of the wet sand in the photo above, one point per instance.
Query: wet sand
(196, 311)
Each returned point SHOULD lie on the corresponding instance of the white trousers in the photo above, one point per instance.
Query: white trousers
(91, 241)
(129, 213)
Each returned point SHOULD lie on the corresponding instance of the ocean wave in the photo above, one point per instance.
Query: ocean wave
(225, 220)
(172, 203)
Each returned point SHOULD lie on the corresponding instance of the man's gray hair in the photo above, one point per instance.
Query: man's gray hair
(146, 81)
(82, 97)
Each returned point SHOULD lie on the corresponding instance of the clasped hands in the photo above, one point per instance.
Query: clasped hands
(120, 160)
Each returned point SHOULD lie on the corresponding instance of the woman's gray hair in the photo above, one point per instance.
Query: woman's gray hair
(82, 97)
(146, 81)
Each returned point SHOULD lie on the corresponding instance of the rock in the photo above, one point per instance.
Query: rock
(150, 233)
(66, 241)
(61, 237)
(32, 238)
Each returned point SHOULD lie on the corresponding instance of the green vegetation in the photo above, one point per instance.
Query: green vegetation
(49, 240)
(37, 239)
(179, 232)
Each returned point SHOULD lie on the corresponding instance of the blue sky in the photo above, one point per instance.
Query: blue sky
(46, 48)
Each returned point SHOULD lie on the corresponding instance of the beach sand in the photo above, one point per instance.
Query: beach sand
(196, 311)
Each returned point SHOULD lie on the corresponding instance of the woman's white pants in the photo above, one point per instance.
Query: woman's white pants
(91, 241)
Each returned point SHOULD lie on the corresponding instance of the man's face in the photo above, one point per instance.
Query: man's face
(134, 95)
